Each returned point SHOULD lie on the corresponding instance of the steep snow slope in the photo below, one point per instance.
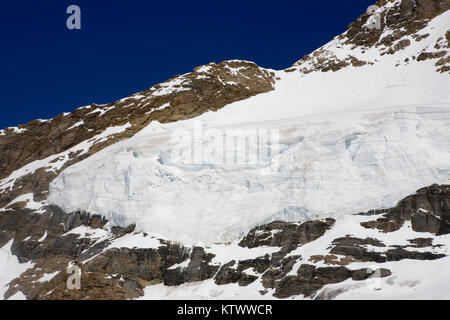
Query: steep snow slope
(341, 142)
(10, 268)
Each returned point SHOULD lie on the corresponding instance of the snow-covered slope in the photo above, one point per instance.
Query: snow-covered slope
(341, 142)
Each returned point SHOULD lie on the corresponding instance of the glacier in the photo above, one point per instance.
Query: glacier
(328, 164)
(348, 141)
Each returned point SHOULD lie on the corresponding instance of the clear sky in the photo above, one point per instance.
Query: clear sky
(127, 46)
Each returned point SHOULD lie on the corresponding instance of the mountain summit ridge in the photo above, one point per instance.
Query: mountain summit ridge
(402, 23)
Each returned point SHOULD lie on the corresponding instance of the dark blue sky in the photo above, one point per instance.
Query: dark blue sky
(127, 46)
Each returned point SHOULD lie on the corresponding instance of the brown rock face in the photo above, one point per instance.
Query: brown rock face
(199, 268)
(428, 210)
(288, 236)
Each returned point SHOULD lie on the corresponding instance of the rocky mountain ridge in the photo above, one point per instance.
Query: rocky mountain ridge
(402, 23)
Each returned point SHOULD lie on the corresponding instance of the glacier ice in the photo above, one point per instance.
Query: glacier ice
(345, 164)
(349, 141)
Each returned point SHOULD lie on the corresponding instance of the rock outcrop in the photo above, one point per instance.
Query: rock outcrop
(428, 210)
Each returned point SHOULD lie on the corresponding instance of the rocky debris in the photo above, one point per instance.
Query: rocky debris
(428, 210)
(431, 55)
(59, 142)
(288, 236)
(228, 275)
(37, 235)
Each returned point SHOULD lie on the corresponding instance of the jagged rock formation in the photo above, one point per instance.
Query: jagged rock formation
(428, 210)
(401, 23)
(286, 235)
